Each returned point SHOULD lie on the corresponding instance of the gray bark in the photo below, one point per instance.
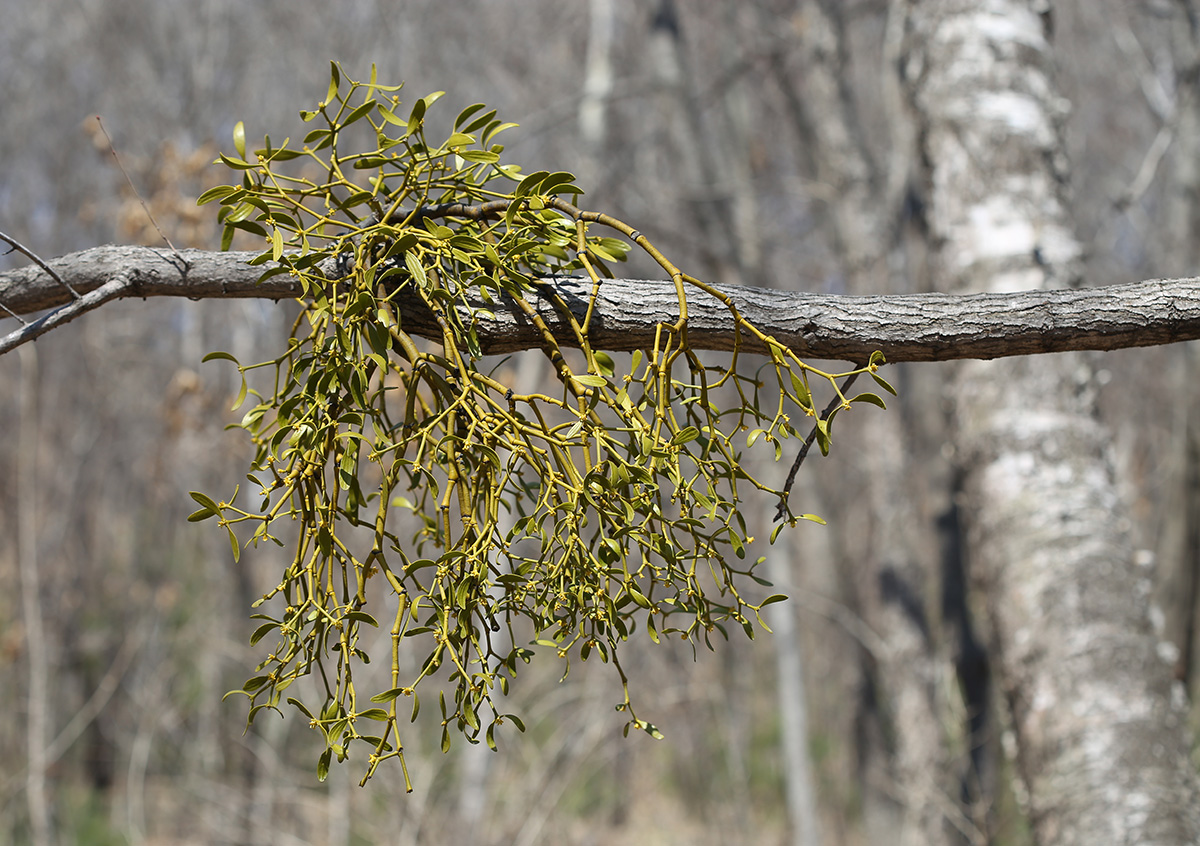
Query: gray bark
(1101, 744)
(916, 327)
(1178, 589)
(800, 792)
(37, 796)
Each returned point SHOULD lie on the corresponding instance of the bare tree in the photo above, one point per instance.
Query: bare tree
(1101, 745)
(805, 185)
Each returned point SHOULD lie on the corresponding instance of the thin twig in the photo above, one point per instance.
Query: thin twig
(845, 618)
(12, 313)
(1157, 97)
(1165, 107)
(112, 149)
(21, 248)
(99, 698)
(116, 287)
(1149, 169)
(834, 403)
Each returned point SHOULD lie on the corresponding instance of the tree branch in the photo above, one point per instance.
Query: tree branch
(919, 327)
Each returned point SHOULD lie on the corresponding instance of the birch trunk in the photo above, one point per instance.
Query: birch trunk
(1101, 746)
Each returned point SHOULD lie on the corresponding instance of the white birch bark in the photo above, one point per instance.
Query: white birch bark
(1101, 745)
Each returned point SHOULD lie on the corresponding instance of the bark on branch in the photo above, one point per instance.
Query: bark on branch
(920, 327)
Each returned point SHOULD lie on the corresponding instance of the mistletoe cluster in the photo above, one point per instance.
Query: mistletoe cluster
(570, 516)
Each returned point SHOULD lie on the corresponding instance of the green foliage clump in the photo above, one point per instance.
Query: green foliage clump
(569, 517)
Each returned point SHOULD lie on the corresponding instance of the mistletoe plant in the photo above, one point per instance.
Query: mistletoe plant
(569, 517)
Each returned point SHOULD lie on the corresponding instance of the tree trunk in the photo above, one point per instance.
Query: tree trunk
(1178, 589)
(893, 574)
(1101, 744)
(37, 719)
(728, 222)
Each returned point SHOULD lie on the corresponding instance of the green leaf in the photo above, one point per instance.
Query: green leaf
(605, 363)
(480, 156)
(442, 233)
(239, 138)
(321, 135)
(879, 380)
(217, 193)
(416, 269)
(801, 389)
(335, 79)
(479, 122)
(684, 436)
(390, 116)
(649, 729)
(402, 244)
(253, 228)
(591, 380)
(823, 436)
(530, 183)
(262, 631)
(735, 540)
(234, 164)
(558, 183)
(416, 116)
(603, 249)
(493, 129)
(638, 597)
(465, 115)
(873, 399)
(296, 703)
(284, 155)
(205, 500)
(388, 695)
(359, 113)
(238, 213)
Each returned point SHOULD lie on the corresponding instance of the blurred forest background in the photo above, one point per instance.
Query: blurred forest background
(697, 122)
